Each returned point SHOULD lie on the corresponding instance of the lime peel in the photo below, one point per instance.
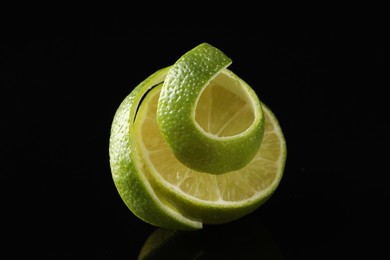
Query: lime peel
(192, 146)
(126, 166)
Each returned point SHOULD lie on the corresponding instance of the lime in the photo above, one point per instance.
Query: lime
(193, 145)
(213, 199)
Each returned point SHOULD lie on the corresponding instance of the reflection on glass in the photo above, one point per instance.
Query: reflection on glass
(231, 241)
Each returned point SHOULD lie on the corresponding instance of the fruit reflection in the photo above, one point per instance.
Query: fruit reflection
(241, 240)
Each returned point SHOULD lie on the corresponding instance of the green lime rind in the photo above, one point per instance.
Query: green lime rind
(127, 168)
(191, 145)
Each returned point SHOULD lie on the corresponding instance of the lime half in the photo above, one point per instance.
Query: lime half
(210, 198)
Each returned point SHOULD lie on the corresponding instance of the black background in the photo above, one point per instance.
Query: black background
(63, 77)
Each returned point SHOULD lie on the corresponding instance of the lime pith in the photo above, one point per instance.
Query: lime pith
(155, 146)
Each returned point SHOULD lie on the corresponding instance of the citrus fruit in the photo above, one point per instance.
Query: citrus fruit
(193, 145)
(213, 199)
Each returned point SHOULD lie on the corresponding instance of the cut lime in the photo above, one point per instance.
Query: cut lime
(212, 199)
(183, 156)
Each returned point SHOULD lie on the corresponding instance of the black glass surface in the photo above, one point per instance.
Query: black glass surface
(62, 81)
